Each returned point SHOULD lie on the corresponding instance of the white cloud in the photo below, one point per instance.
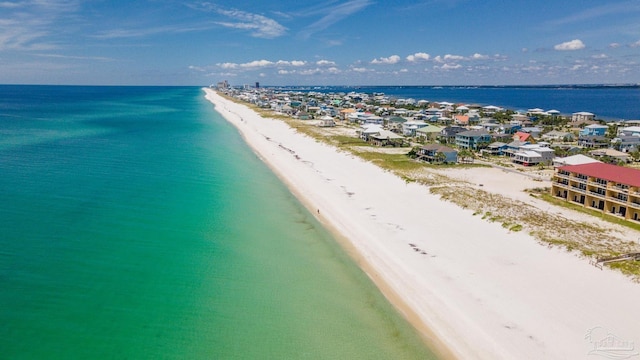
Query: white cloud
(59, 56)
(310, 71)
(359, 69)
(33, 25)
(635, 44)
(477, 56)
(228, 65)
(260, 26)
(453, 57)
(451, 66)
(325, 63)
(614, 45)
(418, 56)
(570, 45)
(599, 56)
(393, 59)
(257, 64)
(291, 63)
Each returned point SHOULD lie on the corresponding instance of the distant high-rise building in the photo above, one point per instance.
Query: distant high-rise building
(223, 85)
(257, 85)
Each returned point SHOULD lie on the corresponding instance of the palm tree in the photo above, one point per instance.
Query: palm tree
(466, 155)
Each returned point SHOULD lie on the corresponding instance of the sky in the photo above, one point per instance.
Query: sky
(321, 42)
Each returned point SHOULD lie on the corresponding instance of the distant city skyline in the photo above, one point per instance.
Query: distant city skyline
(354, 42)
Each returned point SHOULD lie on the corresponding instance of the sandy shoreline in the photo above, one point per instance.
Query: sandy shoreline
(474, 289)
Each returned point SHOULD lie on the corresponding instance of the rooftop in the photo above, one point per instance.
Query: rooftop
(618, 174)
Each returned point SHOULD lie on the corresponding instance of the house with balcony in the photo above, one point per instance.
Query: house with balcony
(429, 132)
(436, 153)
(495, 148)
(509, 128)
(473, 139)
(582, 116)
(594, 130)
(513, 147)
(448, 134)
(611, 189)
(409, 128)
(593, 141)
(629, 131)
(532, 154)
(626, 143)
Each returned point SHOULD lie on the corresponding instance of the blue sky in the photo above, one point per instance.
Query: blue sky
(322, 42)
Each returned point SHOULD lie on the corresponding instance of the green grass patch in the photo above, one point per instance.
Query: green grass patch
(393, 162)
(604, 216)
(515, 228)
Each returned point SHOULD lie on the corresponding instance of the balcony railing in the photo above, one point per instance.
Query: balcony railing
(619, 189)
(604, 186)
(596, 194)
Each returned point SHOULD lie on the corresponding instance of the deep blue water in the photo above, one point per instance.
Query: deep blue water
(606, 102)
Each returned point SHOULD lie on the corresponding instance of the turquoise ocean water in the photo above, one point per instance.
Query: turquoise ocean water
(136, 224)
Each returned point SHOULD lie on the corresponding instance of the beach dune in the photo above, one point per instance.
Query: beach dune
(471, 287)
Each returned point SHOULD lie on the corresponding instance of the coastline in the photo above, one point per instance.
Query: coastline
(472, 288)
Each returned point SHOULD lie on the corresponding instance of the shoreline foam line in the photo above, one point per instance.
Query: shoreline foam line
(473, 289)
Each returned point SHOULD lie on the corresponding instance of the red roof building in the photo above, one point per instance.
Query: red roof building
(522, 136)
(609, 172)
(608, 188)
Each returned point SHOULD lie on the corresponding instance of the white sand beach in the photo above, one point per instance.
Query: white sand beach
(474, 289)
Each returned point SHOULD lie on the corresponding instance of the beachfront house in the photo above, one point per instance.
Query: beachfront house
(367, 130)
(409, 128)
(429, 132)
(582, 116)
(436, 153)
(532, 154)
(496, 148)
(386, 138)
(473, 139)
(577, 159)
(326, 121)
(607, 188)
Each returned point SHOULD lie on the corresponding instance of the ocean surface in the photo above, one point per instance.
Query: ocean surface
(606, 102)
(136, 224)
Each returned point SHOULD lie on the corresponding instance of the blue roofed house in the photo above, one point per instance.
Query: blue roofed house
(437, 153)
(509, 128)
(473, 139)
(594, 130)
